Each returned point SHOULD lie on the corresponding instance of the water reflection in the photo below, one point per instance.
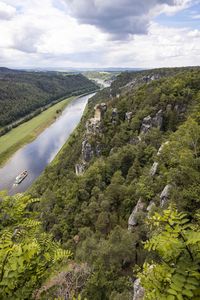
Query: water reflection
(34, 157)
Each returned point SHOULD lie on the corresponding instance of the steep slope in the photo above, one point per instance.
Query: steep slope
(24, 92)
(135, 152)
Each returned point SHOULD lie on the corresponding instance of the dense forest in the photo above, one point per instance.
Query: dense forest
(120, 206)
(23, 92)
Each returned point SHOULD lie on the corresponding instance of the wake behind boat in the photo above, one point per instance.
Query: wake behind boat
(21, 177)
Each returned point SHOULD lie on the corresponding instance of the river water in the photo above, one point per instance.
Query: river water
(35, 156)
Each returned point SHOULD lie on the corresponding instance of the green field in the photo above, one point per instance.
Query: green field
(28, 131)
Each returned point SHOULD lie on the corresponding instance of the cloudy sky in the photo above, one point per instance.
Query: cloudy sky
(99, 33)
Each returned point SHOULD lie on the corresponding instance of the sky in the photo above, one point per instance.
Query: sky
(99, 33)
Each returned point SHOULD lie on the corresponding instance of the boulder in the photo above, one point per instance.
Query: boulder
(87, 151)
(138, 290)
(154, 169)
(164, 196)
(132, 221)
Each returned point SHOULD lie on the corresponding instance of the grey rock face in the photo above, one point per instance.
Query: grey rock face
(151, 206)
(80, 168)
(138, 290)
(154, 169)
(87, 152)
(93, 126)
(128, 116)
(132, 221)
(146, 124)
(164, 196)
(157, 121)
(149, 122)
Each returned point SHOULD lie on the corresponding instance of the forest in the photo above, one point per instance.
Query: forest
(25, 92)
(119, 208)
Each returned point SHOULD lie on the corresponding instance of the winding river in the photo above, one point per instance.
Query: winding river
(35, 156)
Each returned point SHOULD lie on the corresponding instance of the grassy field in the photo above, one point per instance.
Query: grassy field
(28, 131)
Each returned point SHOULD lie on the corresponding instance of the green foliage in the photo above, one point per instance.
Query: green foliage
(89, 213)
(26, 254)
(33, 90)
(175, 273)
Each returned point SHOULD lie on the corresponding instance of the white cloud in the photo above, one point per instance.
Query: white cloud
(43, 34)
(6, 11)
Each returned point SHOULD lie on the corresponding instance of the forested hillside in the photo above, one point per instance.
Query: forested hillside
(122, 198)
(23, 92)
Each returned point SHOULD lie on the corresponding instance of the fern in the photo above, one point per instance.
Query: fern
(175, 275)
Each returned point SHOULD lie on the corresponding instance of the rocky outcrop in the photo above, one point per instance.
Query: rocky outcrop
(151, 206)
(154, 169)
(80, 168)
(149, 122)
(87, 151)
(93, 125)
(157, 121)
(146, 125)
(132, 221)
(138, 290)
(128, 116)
(164, 196)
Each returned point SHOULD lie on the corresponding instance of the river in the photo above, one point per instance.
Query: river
(35, 156)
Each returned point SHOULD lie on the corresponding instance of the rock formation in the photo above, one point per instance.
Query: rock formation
(151, 206)
(154, 169)
(80, 168)
(138, 290)
(164, 196)
(132, 221)
(149, 122)
(128, 116)
(87, 151)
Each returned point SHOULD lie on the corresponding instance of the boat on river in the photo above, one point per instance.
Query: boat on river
(21, 177)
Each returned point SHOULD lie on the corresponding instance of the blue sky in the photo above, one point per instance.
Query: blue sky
(99, 33)
(188, 17)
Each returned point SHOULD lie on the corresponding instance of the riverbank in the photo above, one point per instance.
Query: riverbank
(28, 131)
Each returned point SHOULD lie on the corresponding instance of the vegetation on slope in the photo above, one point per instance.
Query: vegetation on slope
(22, 93)
(89, 214)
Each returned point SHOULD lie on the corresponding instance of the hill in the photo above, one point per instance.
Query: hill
(122, 199)
(136, 152)
(22, 93)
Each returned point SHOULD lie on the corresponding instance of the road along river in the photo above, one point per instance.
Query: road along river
(35, 156)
